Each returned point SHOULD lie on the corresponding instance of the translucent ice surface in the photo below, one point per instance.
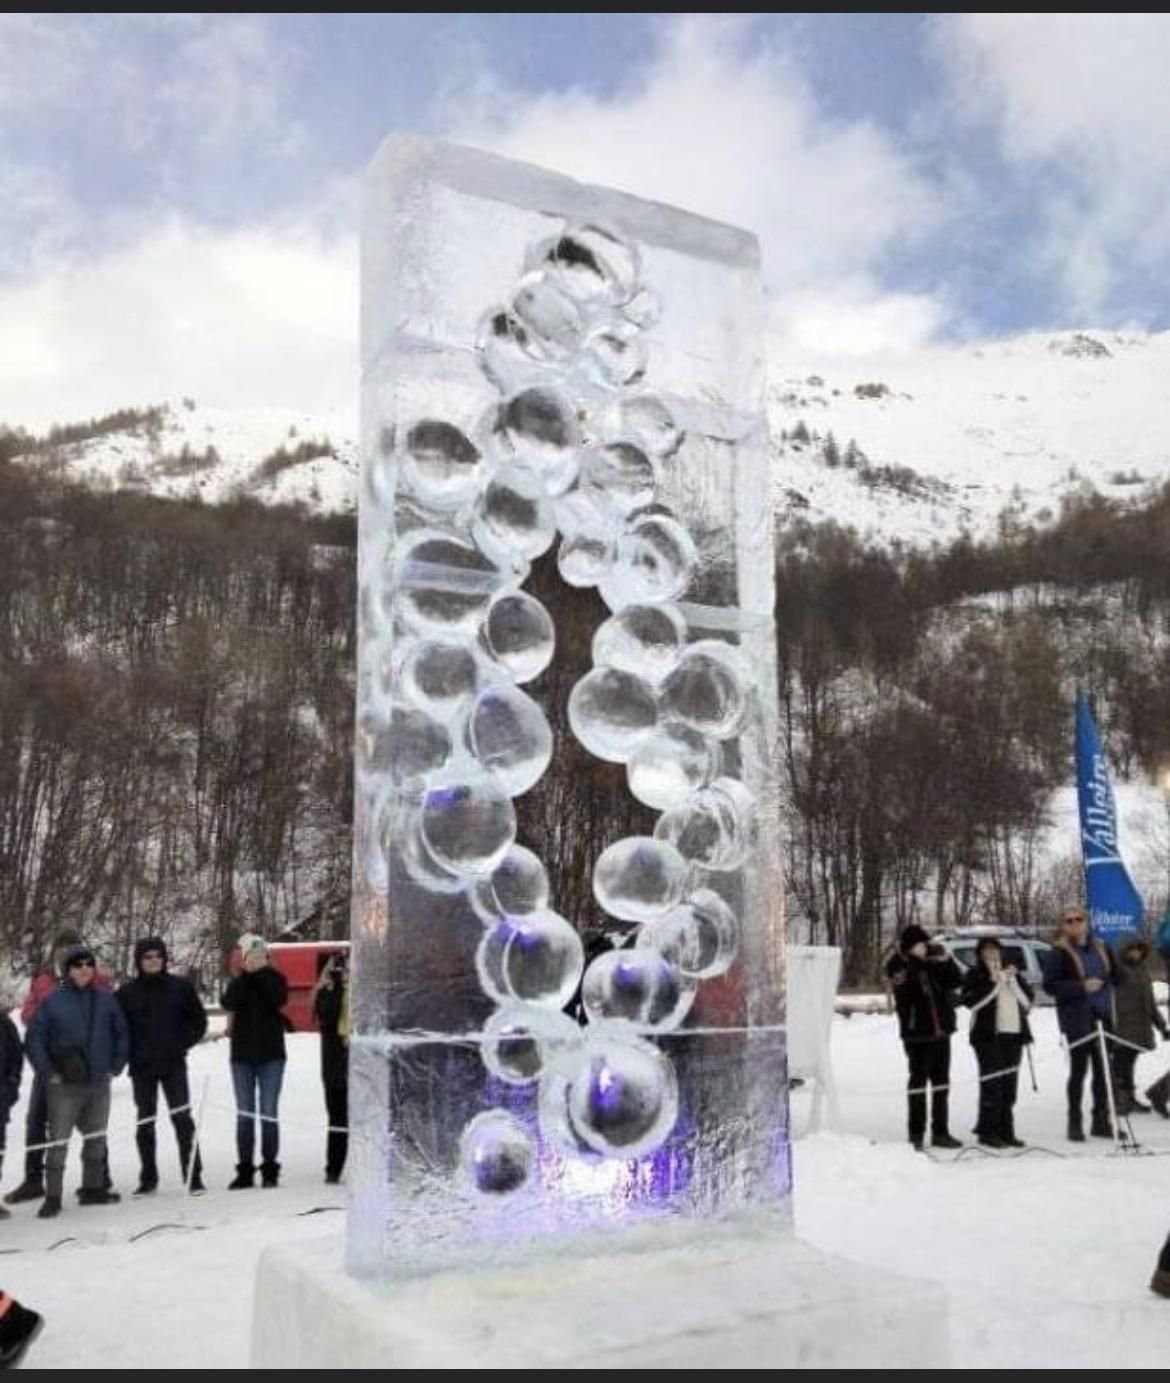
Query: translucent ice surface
(568, 972)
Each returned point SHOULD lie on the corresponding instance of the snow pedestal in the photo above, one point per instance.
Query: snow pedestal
(730, 1303)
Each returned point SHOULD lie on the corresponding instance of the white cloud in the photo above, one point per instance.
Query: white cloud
(264, 316)
(724, 124)
(1082, 99)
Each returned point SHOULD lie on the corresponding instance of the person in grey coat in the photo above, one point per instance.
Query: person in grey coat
(78, 1042)
(1137, 1017)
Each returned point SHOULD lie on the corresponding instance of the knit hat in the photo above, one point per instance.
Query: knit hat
(911, 937)
(250, 941)
(149, 943)
(75, 953)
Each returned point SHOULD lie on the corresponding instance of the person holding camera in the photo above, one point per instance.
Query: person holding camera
(1079, 973)
(999, 999)
(331, 1005)
(78, 1042)
(253, 1001)
(924, 979)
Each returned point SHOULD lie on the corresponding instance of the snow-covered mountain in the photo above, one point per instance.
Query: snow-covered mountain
(944, 440)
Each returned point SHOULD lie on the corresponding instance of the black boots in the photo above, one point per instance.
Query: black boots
(245, 1177)
(50, 1208)
(269, 1174)
(1101, 1127)
(19, 1327)
(944, 1140)
(31, 1189)
(1076, 1129)
(98, 1196)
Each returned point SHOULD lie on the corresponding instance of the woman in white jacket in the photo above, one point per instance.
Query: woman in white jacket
(999, 1000)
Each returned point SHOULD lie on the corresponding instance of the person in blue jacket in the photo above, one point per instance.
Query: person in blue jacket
(78, 1042)
(1080, 974)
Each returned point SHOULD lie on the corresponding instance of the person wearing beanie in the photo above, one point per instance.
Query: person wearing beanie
(999, 1000)
(166, 1019)
(1080, 973)
(924, 979)
(36, 1120)
(78, 1042)
(1137, 1016)
(253, 1001)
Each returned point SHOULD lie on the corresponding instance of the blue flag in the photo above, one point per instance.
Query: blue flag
(1115, 906)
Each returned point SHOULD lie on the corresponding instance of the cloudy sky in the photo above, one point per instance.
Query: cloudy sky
(178, 193)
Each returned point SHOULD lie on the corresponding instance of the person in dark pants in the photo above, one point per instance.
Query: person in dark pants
(253, 1001)
(78, 1042)
(924, 980)
(36, 1119)
(999, 1000)
(166, 1019)
(1137, 1016)
(331, 1005)
(11, 1066)
(1079, 974)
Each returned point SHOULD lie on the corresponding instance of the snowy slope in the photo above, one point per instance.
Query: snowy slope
(972, 430)
(1045, 1255)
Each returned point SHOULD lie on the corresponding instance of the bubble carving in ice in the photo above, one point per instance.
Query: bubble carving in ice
(519, 1041)
(654, 562)
(671, 764)
(441, 465)
(593, 265)
(621, 1094)
(403, 834)
(648, 423)
(589, 529)
(414, 745)
(535, 957)
(623, 473)
(551, 317)
(512, 516)
(538, 428)
(639, 986)
(707, 691)
(700, 936)
(738, 807)
(468, 825)
(496, 1152)
(444, 584)
(642, 639)
(611, 712)
(510, 737)
(440, 678)
(518, 884)
(639, 878)
(614, 354)
(519, 634)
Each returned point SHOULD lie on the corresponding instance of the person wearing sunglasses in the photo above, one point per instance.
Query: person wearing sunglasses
(78, 1042)
(1080, 974)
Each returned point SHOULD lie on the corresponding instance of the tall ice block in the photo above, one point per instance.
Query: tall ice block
(568, 981)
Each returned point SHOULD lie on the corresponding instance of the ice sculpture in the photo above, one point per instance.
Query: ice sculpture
(564, 380)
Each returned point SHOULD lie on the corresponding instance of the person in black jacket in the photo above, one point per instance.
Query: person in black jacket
(924, 979)
(331, 1005)
(11, 1063)
(166, 1019)
(253, 1001)
(999, 1000)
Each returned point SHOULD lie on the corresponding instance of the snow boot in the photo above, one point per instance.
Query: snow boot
(1076, 1129)
(245, 1178)
(50, 1208)
(1160, 1282)
(147, 1185)
(1101, 1127)
(31, 1189)
(269, 1174)
(987, 1140)
(98, 1196)
(19, 1327)
(944, 1140)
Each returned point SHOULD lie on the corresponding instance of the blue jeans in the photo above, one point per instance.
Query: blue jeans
(248, 1077)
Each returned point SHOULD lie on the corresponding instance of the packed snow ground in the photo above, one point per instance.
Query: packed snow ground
(1045, 1254)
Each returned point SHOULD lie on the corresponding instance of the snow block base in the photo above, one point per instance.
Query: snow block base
(770, 1303)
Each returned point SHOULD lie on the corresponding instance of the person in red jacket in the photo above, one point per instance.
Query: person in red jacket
(36, 1126)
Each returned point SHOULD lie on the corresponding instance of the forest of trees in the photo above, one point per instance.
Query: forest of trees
(176, 705)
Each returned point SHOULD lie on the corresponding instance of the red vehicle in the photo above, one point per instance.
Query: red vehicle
(301, 963)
